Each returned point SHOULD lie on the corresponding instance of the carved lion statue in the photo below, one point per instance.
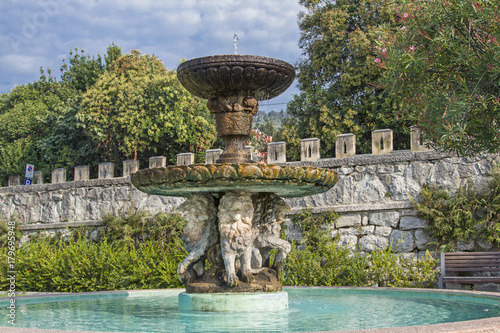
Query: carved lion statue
(267, 228)
(235, 228)
(198, 236)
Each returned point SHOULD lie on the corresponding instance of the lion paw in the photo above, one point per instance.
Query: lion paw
(248, 278)
(232, 281)
(187, 276)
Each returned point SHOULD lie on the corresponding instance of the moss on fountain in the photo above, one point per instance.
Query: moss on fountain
(284, 180)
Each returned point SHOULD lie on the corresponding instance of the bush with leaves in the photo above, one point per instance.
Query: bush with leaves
(136, 252)
(324, 262)
(337, 77)
(139, 109)
(131, 252)
(467, 215)
(441, 68)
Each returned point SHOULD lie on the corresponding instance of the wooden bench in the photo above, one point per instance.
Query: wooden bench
(469, 263)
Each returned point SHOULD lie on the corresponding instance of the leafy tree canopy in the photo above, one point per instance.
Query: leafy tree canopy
(337, 76)
(140, 107)
(442, 68)
(37, 120)
(23, 116)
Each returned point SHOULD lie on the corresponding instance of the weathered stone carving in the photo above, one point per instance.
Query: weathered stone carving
(235, 227)
(269, 215)
(283, 180)
(249, 214)
(239, 249)
(233, 85)
(233, 74)
(233, 104)
(198, 236)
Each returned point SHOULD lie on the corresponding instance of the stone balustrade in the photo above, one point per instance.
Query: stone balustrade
(212, 155)
(37, 177)
(309, 149)
(157, 162)
(345, 146)
(82, 172)
(276, 152)
(129, 167)
(416, 142)
(58, 176)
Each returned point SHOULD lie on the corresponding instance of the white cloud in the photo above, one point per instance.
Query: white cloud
(47, 29)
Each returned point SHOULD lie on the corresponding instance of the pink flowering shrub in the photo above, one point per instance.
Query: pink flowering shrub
(441, 63)
(259, 141)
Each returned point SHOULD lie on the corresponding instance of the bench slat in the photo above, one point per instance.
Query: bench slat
(471, 269)
(473, 258)
(471, 279)
(451, 254)
(469, 262)
(486, 265)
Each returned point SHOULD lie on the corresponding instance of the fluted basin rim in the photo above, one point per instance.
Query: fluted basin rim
(284, 180)
(233, 59)
(193, 75)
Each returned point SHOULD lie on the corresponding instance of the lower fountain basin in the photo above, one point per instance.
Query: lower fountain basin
(310, 309)
(283, 180)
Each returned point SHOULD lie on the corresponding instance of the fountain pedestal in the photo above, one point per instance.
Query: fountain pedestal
(234, 214)
(234, 302)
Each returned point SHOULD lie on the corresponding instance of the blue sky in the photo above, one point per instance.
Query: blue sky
(36, 33)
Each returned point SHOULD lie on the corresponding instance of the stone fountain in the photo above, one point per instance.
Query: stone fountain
(234, 207)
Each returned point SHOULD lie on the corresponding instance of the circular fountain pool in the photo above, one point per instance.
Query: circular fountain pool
(310, 309)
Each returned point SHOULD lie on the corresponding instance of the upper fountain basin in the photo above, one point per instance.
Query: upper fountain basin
(236, 75)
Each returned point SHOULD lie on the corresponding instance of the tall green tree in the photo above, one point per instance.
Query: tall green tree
(337, 76)
(139, 109)
(442, 65)
(23, 116)
(37, 120)
(68, 143)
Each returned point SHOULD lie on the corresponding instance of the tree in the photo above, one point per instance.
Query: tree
(22, 123)
(67, 144)
(37, 120)
(81, 71)
(337, 76)
(140, 107)
(442, 68)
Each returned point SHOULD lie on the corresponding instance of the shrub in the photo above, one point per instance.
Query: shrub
(324, 262)
(124, 257)
(136, 252)
(469, 214)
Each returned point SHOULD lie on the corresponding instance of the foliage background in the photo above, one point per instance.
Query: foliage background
(441, 62)
(133, 251)
(101, 109)
(337, 77)
(470, 214)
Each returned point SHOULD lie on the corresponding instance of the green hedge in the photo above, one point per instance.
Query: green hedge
(136, 252)
(82, 265)
(324, 263)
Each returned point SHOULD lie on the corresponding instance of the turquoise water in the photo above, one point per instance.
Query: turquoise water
(310, 309)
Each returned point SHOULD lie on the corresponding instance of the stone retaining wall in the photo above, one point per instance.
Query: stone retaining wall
(373, 196)
(374, 193)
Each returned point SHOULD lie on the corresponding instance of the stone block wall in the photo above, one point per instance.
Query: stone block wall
(373, 196)
(374, 192)
(52, 207)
